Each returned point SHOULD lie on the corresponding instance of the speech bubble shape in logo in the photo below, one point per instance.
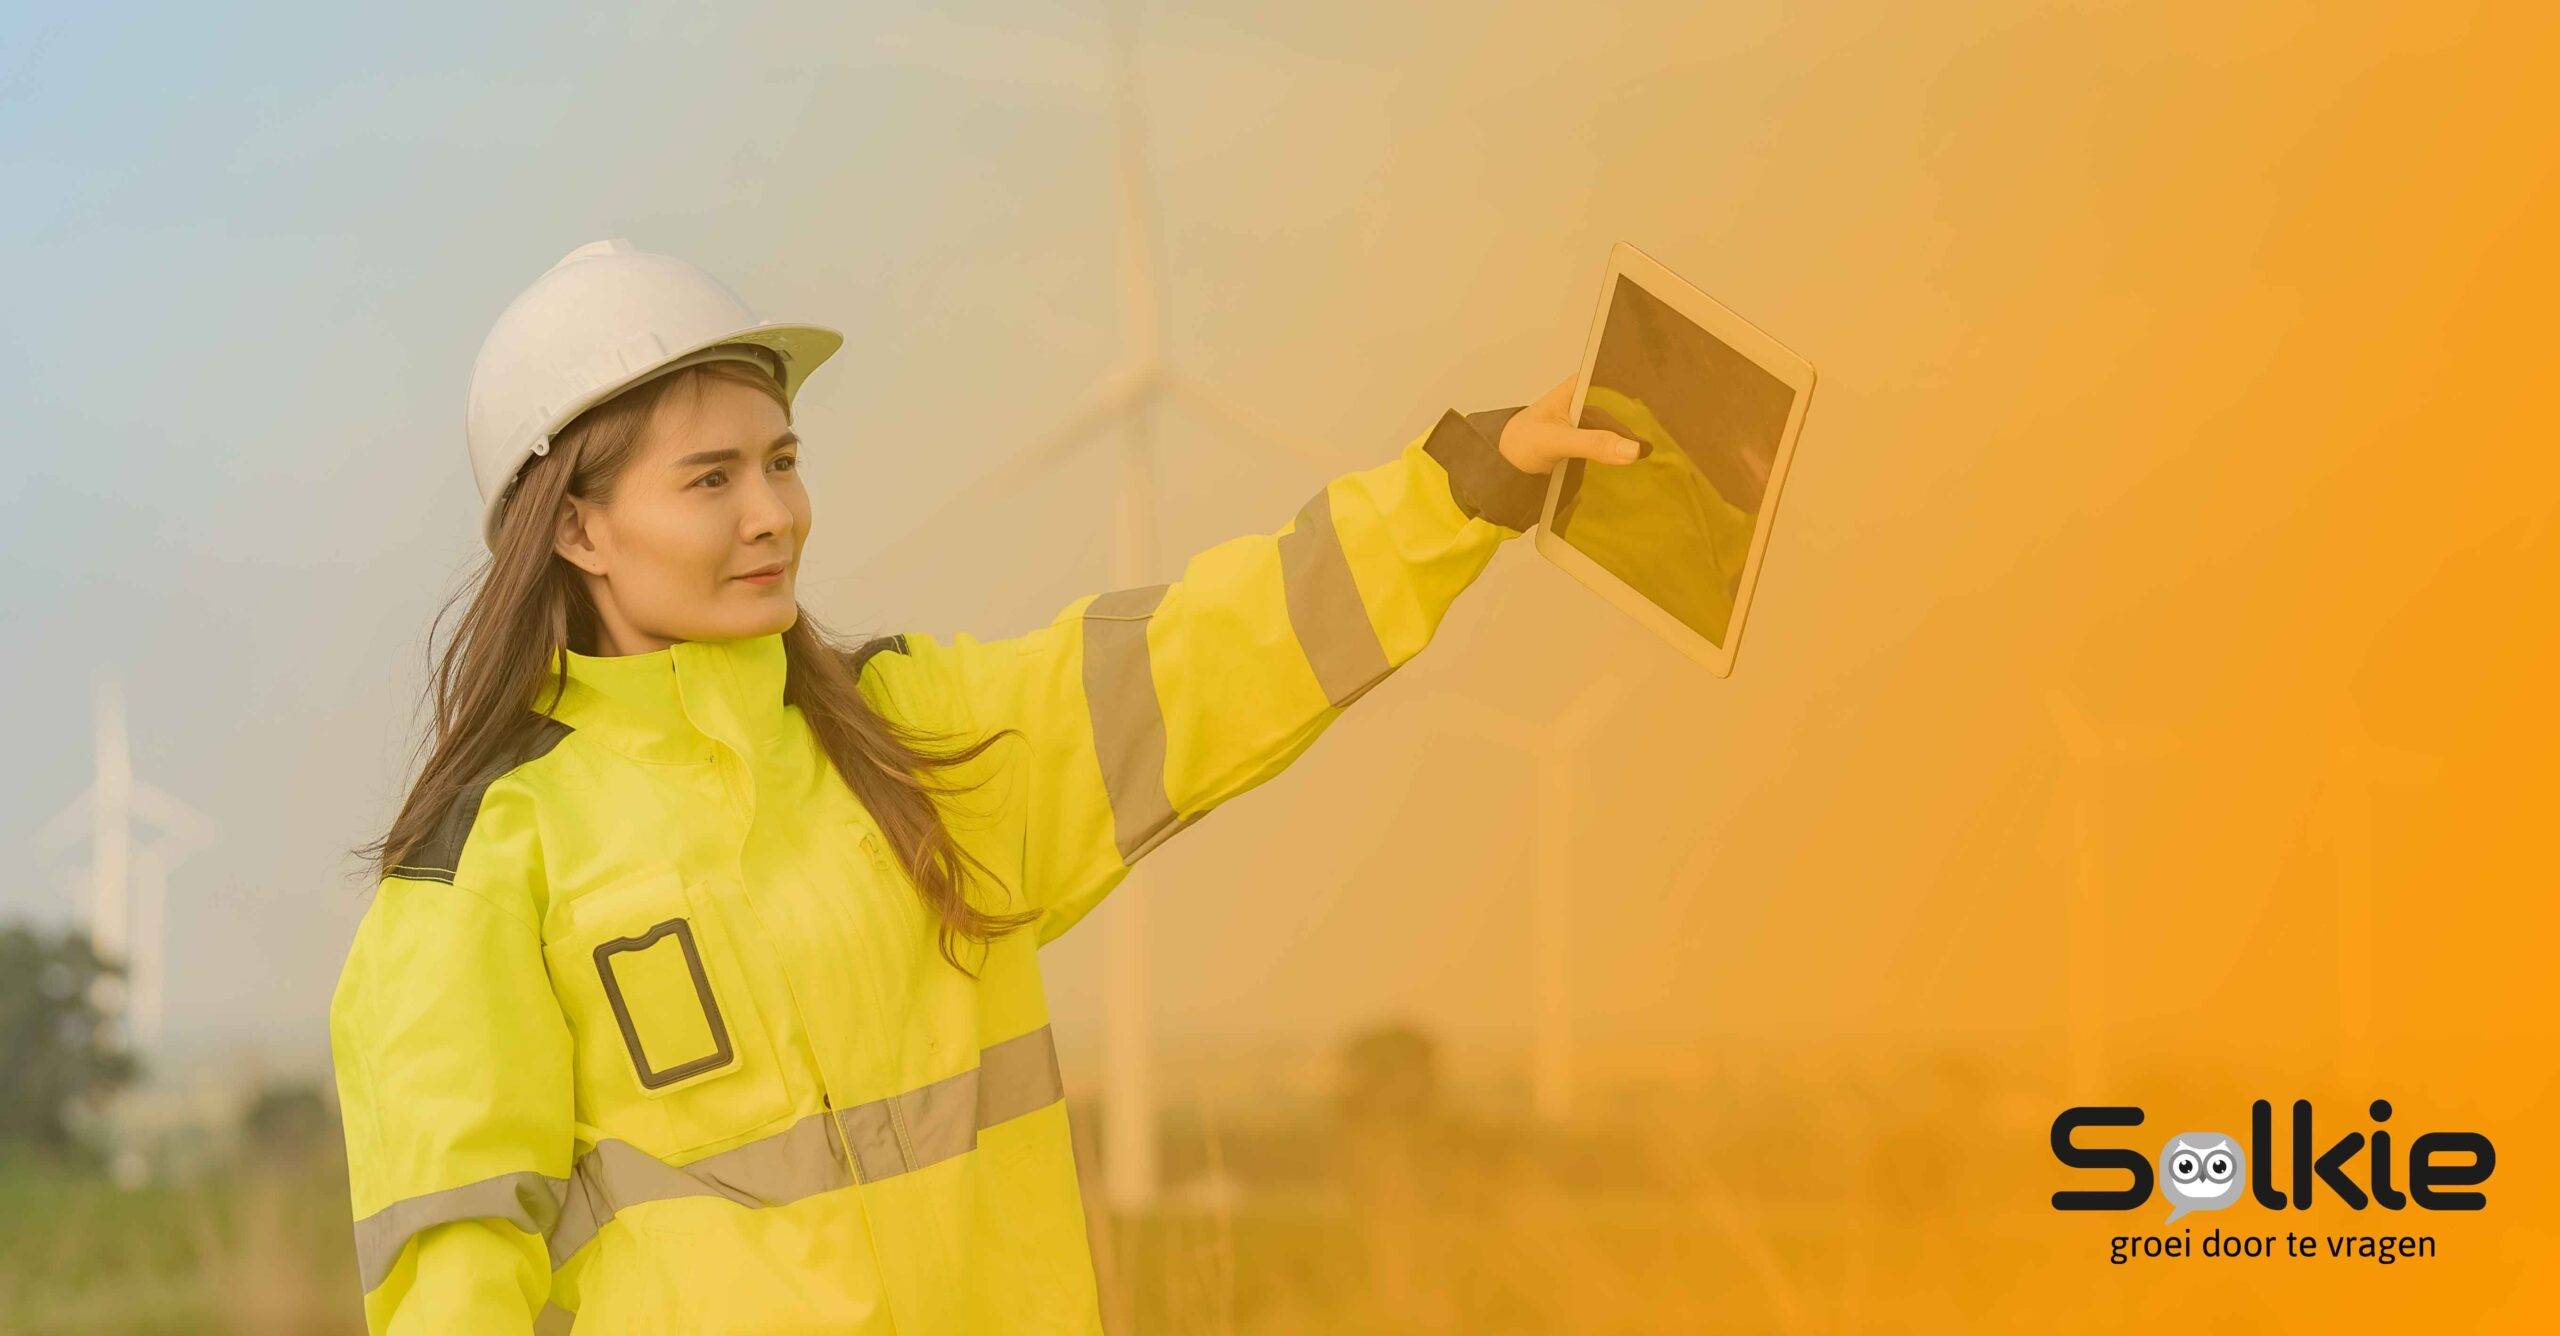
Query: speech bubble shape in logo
(2201, 1171)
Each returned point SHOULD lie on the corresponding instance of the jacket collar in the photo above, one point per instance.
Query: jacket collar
(680, 703)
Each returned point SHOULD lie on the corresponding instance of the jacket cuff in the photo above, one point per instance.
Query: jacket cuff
(1486, 485)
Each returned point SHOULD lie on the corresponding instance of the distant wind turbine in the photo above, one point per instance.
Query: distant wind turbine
(1122, 402)
(128, 878)
(1552, 746)
(2093, 755)
(2354, 804)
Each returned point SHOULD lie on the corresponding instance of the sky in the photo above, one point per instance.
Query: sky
(2171, 381)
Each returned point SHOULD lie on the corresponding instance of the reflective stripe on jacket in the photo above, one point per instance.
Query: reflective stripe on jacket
(656, 1035)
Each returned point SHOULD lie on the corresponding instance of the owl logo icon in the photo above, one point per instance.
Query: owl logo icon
(2201, 1171)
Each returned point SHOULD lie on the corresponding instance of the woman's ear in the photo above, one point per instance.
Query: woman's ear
(572, 541)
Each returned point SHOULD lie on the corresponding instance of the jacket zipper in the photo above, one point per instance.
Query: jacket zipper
(869, 841)
(897, 1116)
(836, 1138)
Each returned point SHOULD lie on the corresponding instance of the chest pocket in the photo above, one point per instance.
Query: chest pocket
(673, 1053)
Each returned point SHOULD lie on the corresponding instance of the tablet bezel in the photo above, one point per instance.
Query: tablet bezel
(1744, 337)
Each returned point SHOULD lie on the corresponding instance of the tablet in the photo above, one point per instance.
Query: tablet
(1676, 538)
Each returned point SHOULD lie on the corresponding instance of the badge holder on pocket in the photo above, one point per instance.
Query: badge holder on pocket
(664, 1007)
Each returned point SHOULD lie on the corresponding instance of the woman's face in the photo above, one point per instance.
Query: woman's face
(711, 495)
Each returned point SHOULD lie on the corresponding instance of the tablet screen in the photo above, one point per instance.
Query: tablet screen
(1675, 525)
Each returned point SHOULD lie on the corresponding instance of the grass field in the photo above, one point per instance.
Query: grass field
(1777, 1193)
(1683, 1212)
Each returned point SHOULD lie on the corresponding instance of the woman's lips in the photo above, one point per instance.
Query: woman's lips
(763, 577)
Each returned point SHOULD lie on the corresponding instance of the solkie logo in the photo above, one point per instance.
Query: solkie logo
(2202, 1171)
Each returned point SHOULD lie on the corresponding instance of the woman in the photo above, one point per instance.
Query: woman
(697, 994)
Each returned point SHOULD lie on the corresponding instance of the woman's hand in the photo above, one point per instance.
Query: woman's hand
(1538, 436)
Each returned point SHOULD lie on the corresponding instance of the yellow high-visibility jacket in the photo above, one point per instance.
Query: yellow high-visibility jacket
(656, 1035)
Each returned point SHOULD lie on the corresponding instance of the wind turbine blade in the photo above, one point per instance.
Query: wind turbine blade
(2381, 763)
(1475, 717)
(1237, 418)
(171, 815)
(2079, 736)
(182, 828)
(70, 823)
(1109, 398)
(1595, 704)
(997, 55)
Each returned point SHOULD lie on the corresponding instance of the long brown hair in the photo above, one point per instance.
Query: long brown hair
(526, 603)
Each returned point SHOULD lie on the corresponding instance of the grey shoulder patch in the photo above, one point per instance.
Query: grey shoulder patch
(896, 644)
(436, 857)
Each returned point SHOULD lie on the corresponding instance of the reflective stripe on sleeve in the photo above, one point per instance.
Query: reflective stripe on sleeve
(1325, 611)
(1128, 719)
(528, 1200)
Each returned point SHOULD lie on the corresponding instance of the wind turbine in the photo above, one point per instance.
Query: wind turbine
(125, 928)
(1552, 746)
(2352, 803)
(1122, 403)
(2092, 756)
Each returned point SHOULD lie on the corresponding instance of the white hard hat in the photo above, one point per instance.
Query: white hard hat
(606, 317)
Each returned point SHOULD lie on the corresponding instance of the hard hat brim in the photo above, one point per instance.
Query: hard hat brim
(798, 350)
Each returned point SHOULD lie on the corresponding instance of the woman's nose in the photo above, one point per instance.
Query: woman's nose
(766, 511)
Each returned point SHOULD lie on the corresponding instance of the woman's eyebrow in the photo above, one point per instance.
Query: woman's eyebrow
(724, 456)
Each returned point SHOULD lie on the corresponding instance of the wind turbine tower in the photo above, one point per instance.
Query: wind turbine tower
(1553, 749)
(1123, 403)
(128, 878)
(2096, 759)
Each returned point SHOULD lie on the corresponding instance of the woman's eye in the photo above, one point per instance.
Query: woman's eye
(715, 473)
(792, 461)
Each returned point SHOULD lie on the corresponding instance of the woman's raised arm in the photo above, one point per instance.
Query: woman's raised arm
(1143, 709)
